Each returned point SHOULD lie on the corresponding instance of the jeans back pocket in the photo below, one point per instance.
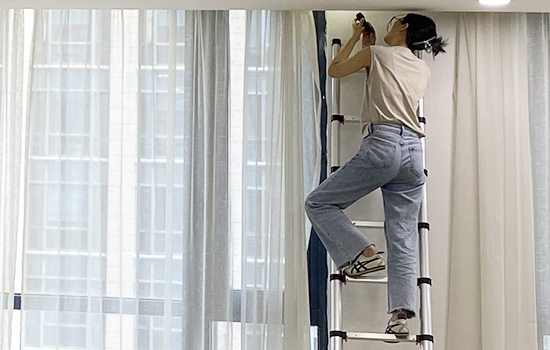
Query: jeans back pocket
(380, 153)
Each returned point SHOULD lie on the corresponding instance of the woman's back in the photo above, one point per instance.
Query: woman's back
(397, 80)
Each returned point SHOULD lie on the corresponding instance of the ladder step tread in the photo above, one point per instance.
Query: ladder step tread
(369, 224)
(367, 280)
(380, 336)
(352, 118)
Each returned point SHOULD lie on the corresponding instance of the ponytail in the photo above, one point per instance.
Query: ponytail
(437, 45)
(433, 45)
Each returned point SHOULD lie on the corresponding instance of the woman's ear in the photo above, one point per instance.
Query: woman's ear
(404, 26)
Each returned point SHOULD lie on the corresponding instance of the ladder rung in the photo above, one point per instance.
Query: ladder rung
(380, 336)
(367, 280)
(369, 224)
(345, 118)
(352, 118)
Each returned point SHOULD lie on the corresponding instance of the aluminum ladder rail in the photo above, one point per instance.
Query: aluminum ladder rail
(338, 279)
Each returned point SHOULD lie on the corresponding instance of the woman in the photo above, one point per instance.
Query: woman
(390, 158)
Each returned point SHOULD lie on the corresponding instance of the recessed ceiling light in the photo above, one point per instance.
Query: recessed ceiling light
(494, 2)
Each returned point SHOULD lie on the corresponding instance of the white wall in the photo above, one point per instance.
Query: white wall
(365, 305)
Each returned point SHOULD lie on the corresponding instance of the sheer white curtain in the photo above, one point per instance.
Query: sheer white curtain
(492, 286)
(127, 235)
(74, 232)
(12, 137)
(538, 44)
(207, 291)
(127, 240)
(281, 113)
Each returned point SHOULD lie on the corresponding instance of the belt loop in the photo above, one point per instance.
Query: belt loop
(402, 130)
(370, 128)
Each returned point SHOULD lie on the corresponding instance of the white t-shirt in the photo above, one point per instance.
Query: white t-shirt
(396, 81)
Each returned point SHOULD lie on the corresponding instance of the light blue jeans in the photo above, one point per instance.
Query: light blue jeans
(390, 158)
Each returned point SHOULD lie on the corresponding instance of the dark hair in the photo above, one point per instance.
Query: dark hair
(421, 34)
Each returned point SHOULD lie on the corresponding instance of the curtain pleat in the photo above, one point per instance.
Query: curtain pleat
(13, 135)
(206, 256)
(538, 50)
(281, 123)
(65, 226)
(301, 148)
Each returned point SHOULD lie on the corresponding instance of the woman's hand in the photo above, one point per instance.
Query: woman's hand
(357, 29)
(343, 65)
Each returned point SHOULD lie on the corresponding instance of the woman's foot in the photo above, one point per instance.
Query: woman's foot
(397, 325)
(363, 265)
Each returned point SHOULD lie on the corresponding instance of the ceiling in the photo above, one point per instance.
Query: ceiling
(380, 5)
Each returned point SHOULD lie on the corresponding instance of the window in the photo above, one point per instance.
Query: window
(89, 150)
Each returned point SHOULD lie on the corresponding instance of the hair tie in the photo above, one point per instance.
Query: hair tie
(427, 45)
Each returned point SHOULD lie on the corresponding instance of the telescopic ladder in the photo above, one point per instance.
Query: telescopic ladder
(338, 279)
